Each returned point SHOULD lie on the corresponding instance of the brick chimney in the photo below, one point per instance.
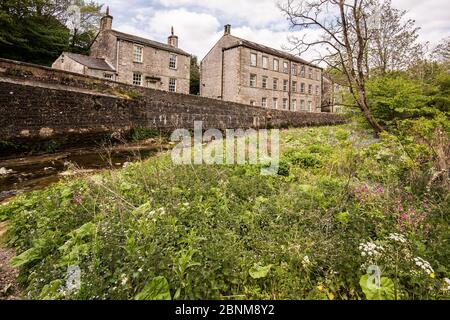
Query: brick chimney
(227, 29)
(173, 39)
(106, 21)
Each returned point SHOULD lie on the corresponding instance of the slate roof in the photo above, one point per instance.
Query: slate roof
(271, 51)
(90, 62)
(148, 43)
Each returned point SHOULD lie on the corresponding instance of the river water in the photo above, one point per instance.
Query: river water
(31, 173)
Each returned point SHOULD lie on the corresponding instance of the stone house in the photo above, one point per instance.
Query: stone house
(133, 60)
(242, 71)
(332, 95)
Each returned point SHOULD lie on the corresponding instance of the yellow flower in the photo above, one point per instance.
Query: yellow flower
(432, 275)
(320, 287)
(330, 295)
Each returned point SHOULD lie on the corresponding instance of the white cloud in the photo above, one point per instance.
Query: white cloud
(199, 24)
(254, 13)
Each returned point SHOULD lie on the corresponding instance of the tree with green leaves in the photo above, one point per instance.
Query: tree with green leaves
(393, 41)
(195, 76)
(29, 33)
(36, 30)
(82, 18)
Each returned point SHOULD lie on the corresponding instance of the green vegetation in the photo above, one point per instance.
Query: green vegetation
(342, 202)
(35, 30)
(194, 83)
(139, 134)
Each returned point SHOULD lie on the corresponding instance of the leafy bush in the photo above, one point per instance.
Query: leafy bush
(159, 231)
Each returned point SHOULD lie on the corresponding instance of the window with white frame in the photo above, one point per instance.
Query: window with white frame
(285, 103)
(310, 88)
(317, 90)
(276, 65)
(265, 61)
(275, 103)
(285, 85)
(253, 80)
(138, 54)
(253, 59)
(309, 106)
(302, 88)
(172, 85)
(294, 86)
(264, 82)
(294, 69)
(310, 75)
(264, 102)
(285, 67)
(294, 105)
(108, 76)
(137, 79)
(302, 72)
(302, 105)
(173, 61)
(275, 84)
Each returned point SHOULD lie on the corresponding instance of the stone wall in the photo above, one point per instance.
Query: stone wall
(41, 103)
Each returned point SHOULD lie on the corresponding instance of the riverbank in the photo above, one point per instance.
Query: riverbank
(25, 174)
(341, 201)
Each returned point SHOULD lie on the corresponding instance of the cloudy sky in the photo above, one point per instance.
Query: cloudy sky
(199, 23)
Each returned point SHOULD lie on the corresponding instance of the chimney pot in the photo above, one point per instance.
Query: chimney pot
(106, 21)
(227, 30)
(173, 39)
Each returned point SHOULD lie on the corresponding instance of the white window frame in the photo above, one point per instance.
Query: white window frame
(310, 89)
(302, 105)
(275, 103)
(265, 62)
(294, 69)
(264, 82)
(302, 87)
(294, 86)
(285, 67)
(309, 106)
(253, 62)
(173, 62)
(294, 105)
(172, 85)
(264, 102)
(138, 54)
(276, 65)
(275, 84)
(285, 103)
(253, 80)
(137, 78)
(285, 85)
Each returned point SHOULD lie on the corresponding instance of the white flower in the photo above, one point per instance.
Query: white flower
(124, 279)
(306, 262)
(370, 249)
(397, 237)
(447, 281)
(424, 265)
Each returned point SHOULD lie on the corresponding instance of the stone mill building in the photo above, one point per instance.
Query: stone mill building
(242, 71)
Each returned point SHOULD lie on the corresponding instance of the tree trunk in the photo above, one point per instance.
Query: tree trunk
(364, 106)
